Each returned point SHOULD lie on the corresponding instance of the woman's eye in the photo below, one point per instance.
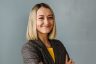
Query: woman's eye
(41, 18)
(50, 17)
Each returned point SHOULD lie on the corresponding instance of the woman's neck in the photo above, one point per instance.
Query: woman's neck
(44, 39)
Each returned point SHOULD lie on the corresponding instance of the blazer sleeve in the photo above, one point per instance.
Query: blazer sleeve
(30, 54)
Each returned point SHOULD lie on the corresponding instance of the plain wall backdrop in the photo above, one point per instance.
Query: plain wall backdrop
(76, 28)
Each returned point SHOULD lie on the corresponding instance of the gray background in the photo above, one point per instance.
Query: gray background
(76, 28)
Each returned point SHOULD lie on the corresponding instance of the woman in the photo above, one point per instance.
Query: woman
(42, 47)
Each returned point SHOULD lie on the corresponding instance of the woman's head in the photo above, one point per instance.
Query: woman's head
(41, 19)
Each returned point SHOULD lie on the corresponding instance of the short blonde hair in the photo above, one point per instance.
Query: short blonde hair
(31, 33)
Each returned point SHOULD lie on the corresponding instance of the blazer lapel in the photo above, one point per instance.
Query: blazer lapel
(45, 52)
(59, 51)
(56, 53)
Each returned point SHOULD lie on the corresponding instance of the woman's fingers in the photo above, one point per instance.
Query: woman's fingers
(73, 62)
(66, 58)
(70, 61)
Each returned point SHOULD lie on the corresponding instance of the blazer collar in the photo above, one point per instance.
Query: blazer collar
(55, 49)
(47, 54)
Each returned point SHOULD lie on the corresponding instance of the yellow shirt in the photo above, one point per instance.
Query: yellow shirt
(51, 53)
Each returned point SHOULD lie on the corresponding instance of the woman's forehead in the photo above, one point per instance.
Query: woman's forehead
(44, 11)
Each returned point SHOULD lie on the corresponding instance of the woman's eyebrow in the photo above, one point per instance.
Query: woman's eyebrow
(50, 15)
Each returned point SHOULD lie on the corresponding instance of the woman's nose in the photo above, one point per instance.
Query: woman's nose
(46, 21)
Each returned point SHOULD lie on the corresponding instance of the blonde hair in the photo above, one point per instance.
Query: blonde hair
(31, 33)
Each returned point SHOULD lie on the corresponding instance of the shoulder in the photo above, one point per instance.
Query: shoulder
(56, 41)
(29, 45)
(30, 53)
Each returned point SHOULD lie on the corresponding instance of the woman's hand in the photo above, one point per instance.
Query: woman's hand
(70, 61)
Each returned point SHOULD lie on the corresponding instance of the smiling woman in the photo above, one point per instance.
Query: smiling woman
(44, 20)
(42, 47)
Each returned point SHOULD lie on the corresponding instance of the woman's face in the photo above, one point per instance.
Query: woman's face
(45, 20)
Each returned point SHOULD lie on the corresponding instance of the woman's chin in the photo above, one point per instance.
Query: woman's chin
(45, 32)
